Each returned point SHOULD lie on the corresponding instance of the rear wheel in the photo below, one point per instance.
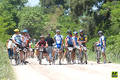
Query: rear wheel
(81, 57)
(17, 58)
(69, 57)
(60, 56)
(98, 56)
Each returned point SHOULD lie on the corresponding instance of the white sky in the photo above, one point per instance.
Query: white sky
(32, 3)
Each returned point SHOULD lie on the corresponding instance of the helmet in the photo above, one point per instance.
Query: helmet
(81, 30)
(41, 36)
(16, 30)
(100, 32)
(25, 31)
(57, 30)
(75, 32)
(69, 32)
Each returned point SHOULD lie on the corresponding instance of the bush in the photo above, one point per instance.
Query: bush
(6, 72)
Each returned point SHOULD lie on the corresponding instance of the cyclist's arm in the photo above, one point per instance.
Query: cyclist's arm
(74, 43)
(84, 41)
(46, 45)
(14, 41)
(103, 43)
(37, 44)
(79, 42)
(66, 44)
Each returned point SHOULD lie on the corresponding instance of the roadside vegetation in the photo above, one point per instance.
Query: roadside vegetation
(6, 71)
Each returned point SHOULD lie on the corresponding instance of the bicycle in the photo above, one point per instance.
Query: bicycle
(57, 55)
(69, 55)
(98, 52)
(17, 55)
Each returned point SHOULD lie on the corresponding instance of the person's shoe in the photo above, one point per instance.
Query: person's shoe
(85, 62)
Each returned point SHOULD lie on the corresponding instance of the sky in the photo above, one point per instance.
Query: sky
(32, 3)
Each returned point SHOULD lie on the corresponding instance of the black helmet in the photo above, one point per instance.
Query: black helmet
(69, 32)
(100, 32)
(80, 30)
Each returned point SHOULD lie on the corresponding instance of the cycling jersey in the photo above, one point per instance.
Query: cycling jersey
(83, 38)
(69, 40)
(75, 39)
(41, 43)
(17, 38)
(32, 45)
(24, 39)
(58, 39)
(101, 39)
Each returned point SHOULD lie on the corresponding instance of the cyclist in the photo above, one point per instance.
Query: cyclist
(50, 42)
(17, 40)
(26, 40)
(24, 44)
(69, 43)
(75, 42)
(27, 37)
(75, 38)
(10, 47)
(82, 40)
(58, 39)
(32, 47)
(44, 44)
(102, 43)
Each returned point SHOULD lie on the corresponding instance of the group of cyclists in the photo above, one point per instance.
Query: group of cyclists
(21, 46)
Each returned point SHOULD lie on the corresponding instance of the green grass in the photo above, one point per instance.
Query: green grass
(6, 71)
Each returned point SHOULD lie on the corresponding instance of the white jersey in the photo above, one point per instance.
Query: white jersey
(58, 39)
(17, 38)
(10, 44)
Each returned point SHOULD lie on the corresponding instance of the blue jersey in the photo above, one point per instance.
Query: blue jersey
(69, 40)
(75, 39)
(58, 39)
(17, 38)
(101, 39)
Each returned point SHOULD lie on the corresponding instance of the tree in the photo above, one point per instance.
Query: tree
(33, 19)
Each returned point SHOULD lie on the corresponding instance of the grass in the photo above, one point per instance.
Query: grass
(6, 71)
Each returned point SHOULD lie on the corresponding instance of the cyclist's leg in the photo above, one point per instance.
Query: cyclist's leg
(12, 53)
(66, 50)
(21, 56)
(73, 55)
(103, 53)
(80, 50)
(49, 50)
(85, 52)
(53, 53)
(61, 53)
(9, 51)
(37, 53)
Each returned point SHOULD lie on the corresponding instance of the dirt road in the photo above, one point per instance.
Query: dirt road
(91, 71)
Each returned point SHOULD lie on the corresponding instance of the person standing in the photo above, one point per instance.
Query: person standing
(10, 47)
(102, 42)
(50, 42)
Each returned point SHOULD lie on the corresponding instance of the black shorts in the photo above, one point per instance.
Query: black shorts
(70, 45)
